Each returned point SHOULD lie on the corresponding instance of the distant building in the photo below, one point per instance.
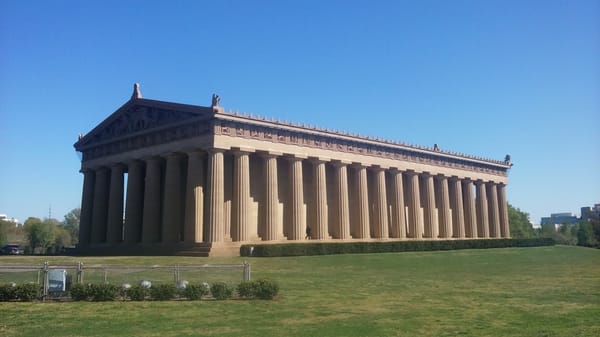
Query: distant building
(4, 217)
(558, 219)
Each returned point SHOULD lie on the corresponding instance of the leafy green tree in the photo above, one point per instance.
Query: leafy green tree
(71, 224)
(585, 235)
(39, 234)
(520, 226)
(4, 228)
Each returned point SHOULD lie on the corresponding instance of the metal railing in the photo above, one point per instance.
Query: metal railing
(56, 280)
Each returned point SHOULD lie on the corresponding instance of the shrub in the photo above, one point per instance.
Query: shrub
(246, 289)
(103, 292)
(80, 292)
(300, 249)
(195, 291)
(8, 292)
(163, 292)
(28, 291)
(265, 289)
(221, 290)
(138, 293)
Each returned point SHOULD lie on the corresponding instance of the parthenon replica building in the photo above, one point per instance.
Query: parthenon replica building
(169, 178)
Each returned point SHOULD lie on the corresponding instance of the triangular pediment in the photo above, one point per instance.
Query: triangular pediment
(139, 116)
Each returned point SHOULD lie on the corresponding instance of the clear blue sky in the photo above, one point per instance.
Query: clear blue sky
(481, 77)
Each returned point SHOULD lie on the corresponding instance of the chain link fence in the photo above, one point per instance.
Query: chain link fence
(56, 280)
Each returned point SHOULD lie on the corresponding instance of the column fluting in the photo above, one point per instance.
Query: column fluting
(470, 209)
(100, 208)
(483, 224)
(134, 204)
(320, 194)
(493, 210)
(114, 230)
(456, 203)
(297, 199)
(273, 230)
(194, 200)
(415, 218)
(381, 218)
(152, 201)
(172, 220)
(428, 202)
(362, 230)
(398, 212)
(87, 207)
(445, 217)
(216, 196)
(343, 211)
(503, 206)
(241, 196)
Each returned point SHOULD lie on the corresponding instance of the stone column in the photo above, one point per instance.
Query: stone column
(470, 213)
(273, 229)
(297, 200)
(114, 232)
(152, 201)
(362, 232)
(482, 210)
(503, 206)
(443, 202)
(87, 207)
(456, 203)
(343, 210)
(320, 193)
(381, 218)
(415, 219)
(428, 199)
(398, 212)
(194, 200)
(172, 219)
(241, 196)
(216, 196)
(134, 204)
(493, 210)
(100, 209)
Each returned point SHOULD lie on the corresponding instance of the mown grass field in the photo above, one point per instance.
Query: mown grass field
(545, 291)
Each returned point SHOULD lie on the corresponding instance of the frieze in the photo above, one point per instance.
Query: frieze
(273, 134)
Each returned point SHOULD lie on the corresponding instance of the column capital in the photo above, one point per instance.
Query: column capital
(319, 159)
(295, 156)
(173, 155)
(270, 154)
(214, 150)
(411, 173)
(340, 163)
(152, 159)
(196, 153)
(242, 150)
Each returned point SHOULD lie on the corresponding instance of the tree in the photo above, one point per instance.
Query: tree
(520, 226)
(71, 224)
(585, 235)
(4, 228)
(39, 234)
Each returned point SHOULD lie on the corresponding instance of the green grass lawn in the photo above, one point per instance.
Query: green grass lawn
(545, 291)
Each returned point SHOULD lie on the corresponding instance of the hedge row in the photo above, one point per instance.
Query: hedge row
(19, 292)
(262, 289)
(327, 248)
